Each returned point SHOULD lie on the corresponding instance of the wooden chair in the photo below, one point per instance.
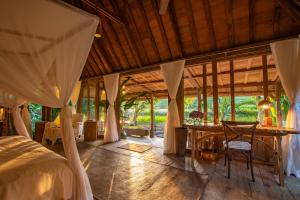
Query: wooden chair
(237, 139)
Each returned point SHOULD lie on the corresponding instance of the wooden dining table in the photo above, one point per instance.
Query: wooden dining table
(217, 130)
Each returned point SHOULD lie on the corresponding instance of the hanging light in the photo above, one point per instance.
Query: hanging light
(98, 33)
(265, 104)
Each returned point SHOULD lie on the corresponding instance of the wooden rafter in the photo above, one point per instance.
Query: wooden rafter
(147, 25)
(104, 60)
(135, 33)
(209, 21)
(276, 19)
(291, 9)
(252, 27)
(230, 23)
(163, 6)
(174, 23)
(94, 64)
(192, 25)
(161, 26)
(243, 51)
(194, 81)
(104, 12)
(128, 36)
(97, 60)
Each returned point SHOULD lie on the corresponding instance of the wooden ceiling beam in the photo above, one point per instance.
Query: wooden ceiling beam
(97, 59)
(210, 74)
(105, 41)
(243, 51)
(161, 26)
(163, 6)
(128, 36)
(104, 12)
(230, 22)
(153, 42)
(194, 81)
(94, 64)
(227, 86)
(252, 27)
(174, 23)
(139, 83)
(209, 21)
(276, 20)
(103, 58)
(135, 33)
(192, 25)
(90, 69)
(291, 9)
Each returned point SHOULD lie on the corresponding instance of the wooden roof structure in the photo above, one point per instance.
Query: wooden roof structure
(136, 38)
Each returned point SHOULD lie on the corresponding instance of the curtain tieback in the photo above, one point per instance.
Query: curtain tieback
(112, 104)
(174, 98)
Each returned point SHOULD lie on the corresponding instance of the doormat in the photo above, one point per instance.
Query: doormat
(140, 148)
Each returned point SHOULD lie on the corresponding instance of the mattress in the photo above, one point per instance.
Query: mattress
(30, 171)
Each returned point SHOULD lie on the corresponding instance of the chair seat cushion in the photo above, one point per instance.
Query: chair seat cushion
(240, 145)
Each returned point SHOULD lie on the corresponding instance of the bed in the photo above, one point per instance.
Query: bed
(30, 171)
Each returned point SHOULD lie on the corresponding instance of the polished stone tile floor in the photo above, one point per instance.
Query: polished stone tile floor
(117, 173)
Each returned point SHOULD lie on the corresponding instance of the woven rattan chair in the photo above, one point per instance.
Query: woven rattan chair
(239, 138)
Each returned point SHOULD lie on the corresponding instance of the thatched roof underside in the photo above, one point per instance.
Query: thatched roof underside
(136, 39)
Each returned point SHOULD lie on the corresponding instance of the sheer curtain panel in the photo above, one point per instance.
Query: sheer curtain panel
(287, 59)
(172, 73)
(111, 83)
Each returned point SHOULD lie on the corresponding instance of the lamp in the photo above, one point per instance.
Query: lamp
(98, 33)
(265, 104)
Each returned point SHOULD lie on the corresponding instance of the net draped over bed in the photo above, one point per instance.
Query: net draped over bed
(43, 48)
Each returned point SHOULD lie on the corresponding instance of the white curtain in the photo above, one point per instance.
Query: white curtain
(75, 95)
(172, 73)
(12, 102)
(111, 83)
(287, 59)
(44, 47)
(26, 117)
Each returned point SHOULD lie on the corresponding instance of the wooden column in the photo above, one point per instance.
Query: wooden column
(199, 93)
(97, 101)
(204, 93)
(278, 108)
(46, 113)
(152, 116)
(180, 100)
(79, 102)
(215, 91)
(117, 111)
(88, 107)
(232, 96)
(265, 82)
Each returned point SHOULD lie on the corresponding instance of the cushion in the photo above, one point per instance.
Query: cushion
(240, 145)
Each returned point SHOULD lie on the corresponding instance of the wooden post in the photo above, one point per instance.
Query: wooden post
(265, 82)
(278, 108)
(180, 100)
(152, 116)
(117, 111)
(88, 108)
(79, 102)
(215, 91)
(46, 113)
(199, 100)
(97, 100)
(204, 93)
(232, 100)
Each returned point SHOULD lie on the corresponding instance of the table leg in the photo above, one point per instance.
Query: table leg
(279, 161)
(193, 145)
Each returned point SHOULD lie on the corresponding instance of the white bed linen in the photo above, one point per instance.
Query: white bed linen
(30, 171)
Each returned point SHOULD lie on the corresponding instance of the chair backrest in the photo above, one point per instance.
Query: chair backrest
(234, 130)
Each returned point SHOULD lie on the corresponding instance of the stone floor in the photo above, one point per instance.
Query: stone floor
(122, 174)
